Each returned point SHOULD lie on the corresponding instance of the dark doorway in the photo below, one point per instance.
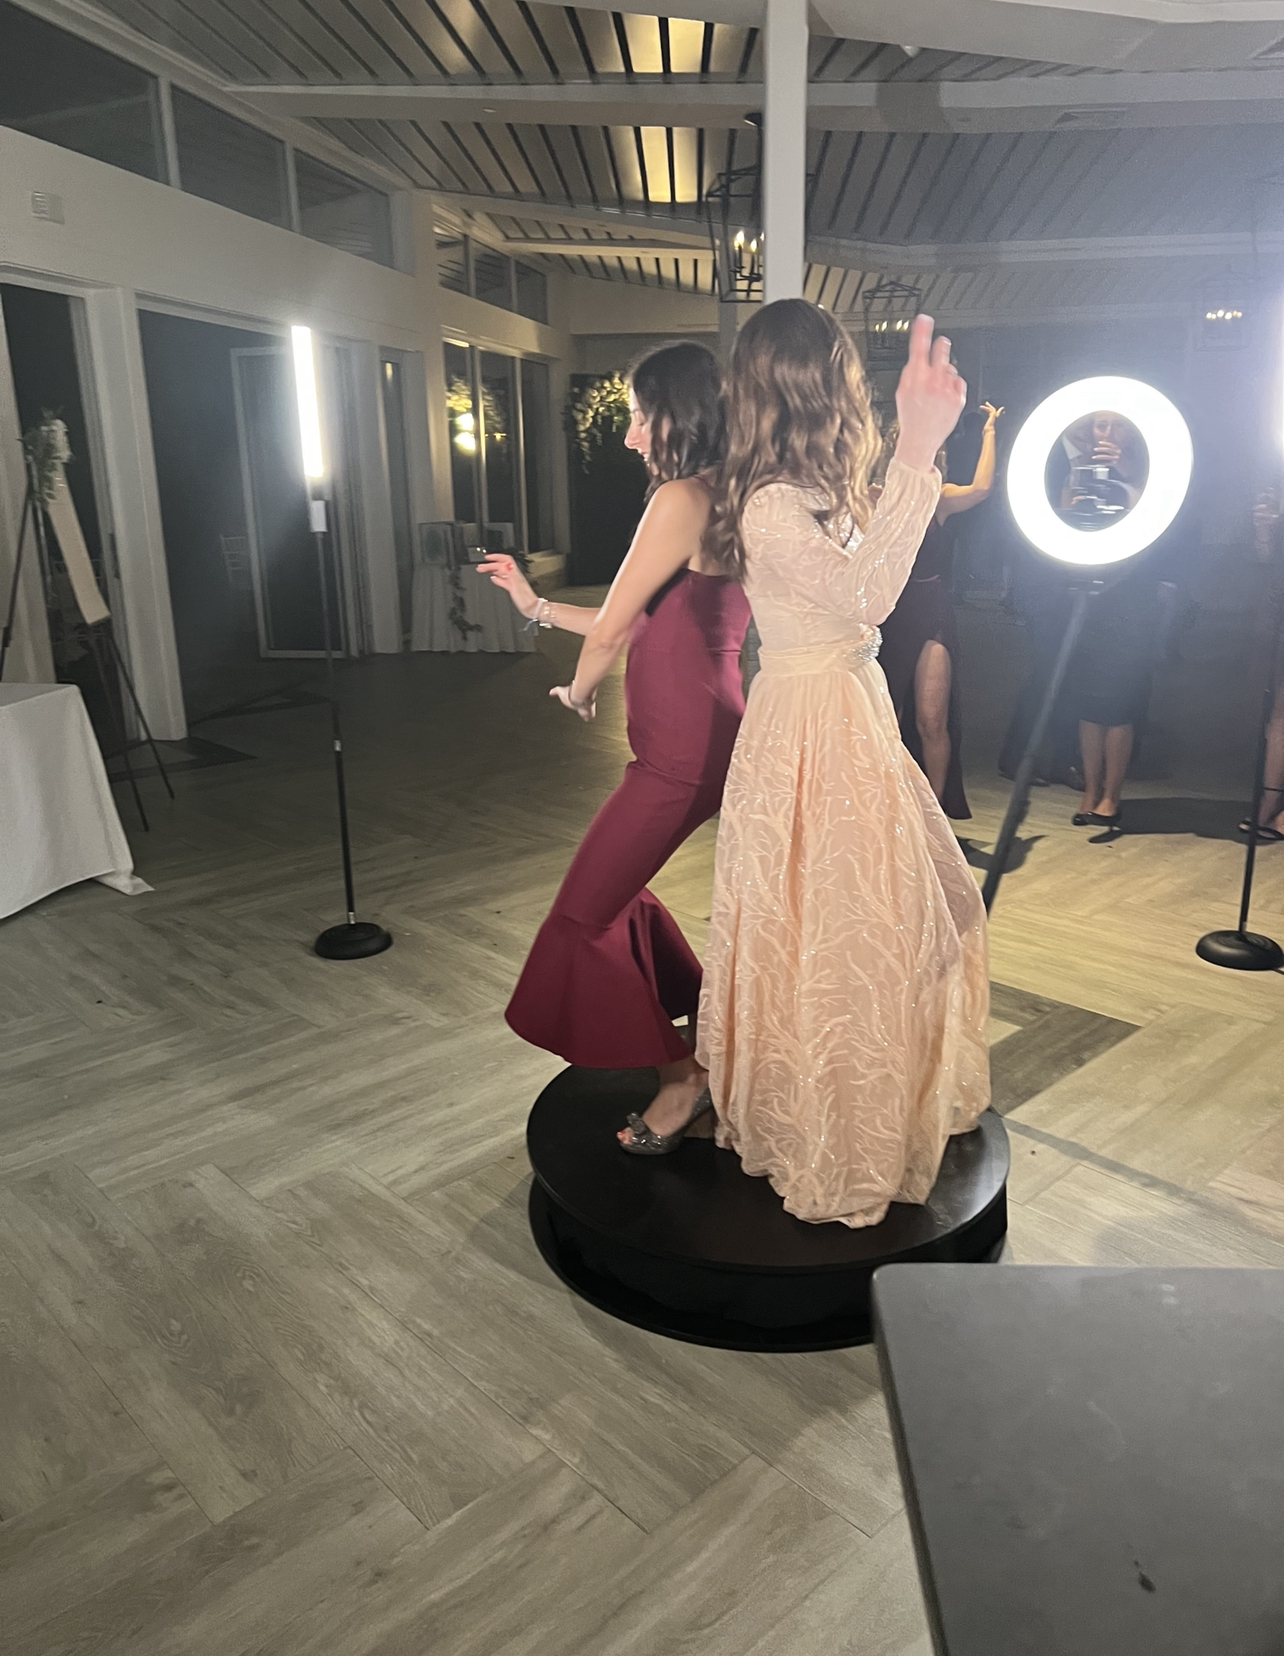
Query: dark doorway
(203, 513)
(607, 496)
(41, 333)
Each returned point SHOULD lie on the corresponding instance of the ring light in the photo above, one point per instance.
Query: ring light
(1168, 445)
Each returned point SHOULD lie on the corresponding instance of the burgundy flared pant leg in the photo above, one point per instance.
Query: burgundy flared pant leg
(610, 969)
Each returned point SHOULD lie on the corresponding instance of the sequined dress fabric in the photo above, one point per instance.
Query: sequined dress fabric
(846, 992)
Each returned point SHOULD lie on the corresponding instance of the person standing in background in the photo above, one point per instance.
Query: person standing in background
(920, 649)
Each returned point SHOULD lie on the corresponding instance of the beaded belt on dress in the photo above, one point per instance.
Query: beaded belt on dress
(823, 658)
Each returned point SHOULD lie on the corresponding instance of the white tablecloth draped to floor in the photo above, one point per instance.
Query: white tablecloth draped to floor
(58, 820)
(502, 628)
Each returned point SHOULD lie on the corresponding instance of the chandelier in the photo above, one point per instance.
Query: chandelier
(890, 308)
(733, 208)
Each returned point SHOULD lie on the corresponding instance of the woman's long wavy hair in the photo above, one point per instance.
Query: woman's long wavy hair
(679, 389)
(799, 412)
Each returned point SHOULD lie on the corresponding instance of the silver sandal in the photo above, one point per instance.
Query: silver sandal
(647, 1142)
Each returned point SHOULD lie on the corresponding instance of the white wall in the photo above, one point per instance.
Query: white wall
(128, 241)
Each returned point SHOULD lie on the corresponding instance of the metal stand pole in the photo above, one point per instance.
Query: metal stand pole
(1241, 949)
(355, 939)
(148, 738)
(1020, 800)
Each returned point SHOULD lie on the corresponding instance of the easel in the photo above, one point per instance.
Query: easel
(100, 638)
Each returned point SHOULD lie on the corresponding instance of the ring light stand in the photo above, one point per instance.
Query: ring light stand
(1092, 551)
(1241, 949)
(354, 939)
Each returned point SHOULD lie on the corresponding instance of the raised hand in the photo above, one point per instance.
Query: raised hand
(991, 415)
(930, 397)
(504, 573)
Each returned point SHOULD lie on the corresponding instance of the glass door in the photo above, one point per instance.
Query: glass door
(504, 520)
(283, 551)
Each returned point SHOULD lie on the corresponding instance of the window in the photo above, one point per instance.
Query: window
(461, 417)
(229, 161)
(500, 417)
(466, 266)
(493, 277)
(532, 293)
(343, 212)
(68, 92)
(537, 454)
(452, 261)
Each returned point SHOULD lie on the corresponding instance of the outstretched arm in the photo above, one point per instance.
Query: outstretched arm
(504, 573)
(958, 497)
(667, 539)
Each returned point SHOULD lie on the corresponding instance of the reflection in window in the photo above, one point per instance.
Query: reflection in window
(342, 211)
(461, 418)
(68, 92)
(537, 457)
(499, 427)
(532, 293)
(493, 277)
(452, 261)
(229, 161)
(500, 417)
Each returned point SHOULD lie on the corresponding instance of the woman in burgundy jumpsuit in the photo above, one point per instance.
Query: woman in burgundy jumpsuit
(610, 970)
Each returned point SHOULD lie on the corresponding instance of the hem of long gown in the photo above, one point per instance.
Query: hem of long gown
(584, 1057)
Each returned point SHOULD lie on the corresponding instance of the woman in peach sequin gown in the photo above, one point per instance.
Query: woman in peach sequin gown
(845, 999)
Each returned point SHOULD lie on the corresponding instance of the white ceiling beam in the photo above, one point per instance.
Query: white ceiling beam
(1016, 104)
(1102, 34)
(922, 258)
(685, 230)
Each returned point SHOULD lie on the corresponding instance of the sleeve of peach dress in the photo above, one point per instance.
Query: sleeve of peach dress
(862, 580)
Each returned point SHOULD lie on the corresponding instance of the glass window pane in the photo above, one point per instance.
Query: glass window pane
(462, 420)
(532, 293)
(492, 277)
(537, 455)
(229, 161)
(452, 261)
(499, 429)
(68, 92)
(343, 212)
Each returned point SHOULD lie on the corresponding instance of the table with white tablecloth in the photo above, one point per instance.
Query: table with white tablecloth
(58, 820)
(500, 629)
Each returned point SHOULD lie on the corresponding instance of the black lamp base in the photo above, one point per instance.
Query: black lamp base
(1242, 951)
(354, 941)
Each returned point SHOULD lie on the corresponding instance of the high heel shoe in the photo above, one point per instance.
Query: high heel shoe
(647, 1142)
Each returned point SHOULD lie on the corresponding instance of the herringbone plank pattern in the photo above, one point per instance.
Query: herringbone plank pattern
(282, 1370)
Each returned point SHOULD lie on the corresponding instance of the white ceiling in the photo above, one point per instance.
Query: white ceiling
(1016, 159)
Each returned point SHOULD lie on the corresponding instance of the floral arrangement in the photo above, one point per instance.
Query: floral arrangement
(602, 406)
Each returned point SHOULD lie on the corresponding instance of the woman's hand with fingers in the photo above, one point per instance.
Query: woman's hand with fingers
(991, 415)
(504, 573)
(930, 397)
(587, 710)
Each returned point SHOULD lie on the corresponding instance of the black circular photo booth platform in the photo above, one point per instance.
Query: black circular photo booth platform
(690, 1246)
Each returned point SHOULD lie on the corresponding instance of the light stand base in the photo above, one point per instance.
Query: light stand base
(354, 941)
(1241, 951)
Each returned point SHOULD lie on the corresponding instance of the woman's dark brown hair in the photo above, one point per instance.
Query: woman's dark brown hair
(798, 412)
(679, 389)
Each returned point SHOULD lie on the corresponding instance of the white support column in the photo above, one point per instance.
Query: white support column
(784, 169)
(120, 385)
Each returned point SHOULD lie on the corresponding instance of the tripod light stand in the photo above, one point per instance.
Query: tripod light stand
(354, 939)
(1092, 551)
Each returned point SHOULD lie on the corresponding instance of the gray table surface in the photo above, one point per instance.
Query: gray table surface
(1093, 1460)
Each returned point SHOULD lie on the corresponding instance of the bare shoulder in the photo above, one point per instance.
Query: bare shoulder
(683, 498)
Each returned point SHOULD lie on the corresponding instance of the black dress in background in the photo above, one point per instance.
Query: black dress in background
(924, 614)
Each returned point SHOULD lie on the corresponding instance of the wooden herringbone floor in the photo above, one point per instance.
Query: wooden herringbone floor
(281, 1369)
